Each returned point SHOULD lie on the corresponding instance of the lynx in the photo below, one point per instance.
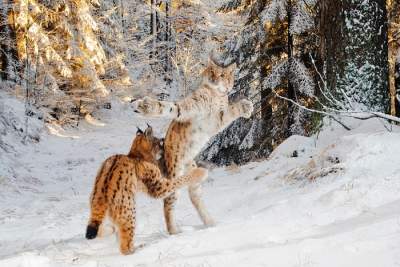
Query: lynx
(122, 176)
(196, 119)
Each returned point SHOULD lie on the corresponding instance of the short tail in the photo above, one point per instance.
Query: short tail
(92, 230)
(98, 204)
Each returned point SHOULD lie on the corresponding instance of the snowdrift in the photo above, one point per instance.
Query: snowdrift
(328, 200)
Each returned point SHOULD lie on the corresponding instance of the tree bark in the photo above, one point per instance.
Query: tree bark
(153, 26)
(354, 47)
(394, 56)
(9, 66)
(290, 88)
(168, 41)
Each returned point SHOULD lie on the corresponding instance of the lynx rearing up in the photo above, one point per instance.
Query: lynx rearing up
(121, 176)
(196, 119)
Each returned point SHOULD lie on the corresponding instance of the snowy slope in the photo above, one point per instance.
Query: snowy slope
(336, 204)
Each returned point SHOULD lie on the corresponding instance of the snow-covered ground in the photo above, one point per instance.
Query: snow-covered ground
(337, 203)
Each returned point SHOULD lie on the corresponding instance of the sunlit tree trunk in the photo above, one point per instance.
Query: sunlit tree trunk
(394, 55)
(9, 66)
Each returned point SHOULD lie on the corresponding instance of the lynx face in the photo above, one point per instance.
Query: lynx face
(147, 146)
(220, 77)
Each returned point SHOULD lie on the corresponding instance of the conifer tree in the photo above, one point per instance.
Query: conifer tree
(272, 51)
(394, 55)
(63, 60)
(9, 65)
(354, 46)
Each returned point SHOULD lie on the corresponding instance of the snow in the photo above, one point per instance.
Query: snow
(335, 202)
(299, 74)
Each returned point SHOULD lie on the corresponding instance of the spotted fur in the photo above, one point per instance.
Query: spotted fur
(121, 177)
(196, 119)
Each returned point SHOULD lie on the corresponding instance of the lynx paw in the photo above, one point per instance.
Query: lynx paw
(246, 108)
(209, 222)
(147, 106)
(127, 251)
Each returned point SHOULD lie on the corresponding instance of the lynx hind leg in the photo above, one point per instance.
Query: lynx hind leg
(169, 206)
(195, 175)
(195, 193)
(124, 217)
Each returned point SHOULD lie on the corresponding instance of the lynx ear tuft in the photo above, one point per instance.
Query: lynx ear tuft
(139, 131)
(149, 131)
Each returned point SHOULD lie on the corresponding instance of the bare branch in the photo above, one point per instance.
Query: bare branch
(350, 114)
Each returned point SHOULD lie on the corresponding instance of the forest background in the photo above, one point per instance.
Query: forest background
(298, 61)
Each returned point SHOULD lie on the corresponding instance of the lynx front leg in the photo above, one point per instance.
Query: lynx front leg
(193, 177)
(244, 108)
(169, 205)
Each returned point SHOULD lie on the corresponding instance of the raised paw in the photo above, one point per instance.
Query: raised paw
(246, 108)
(146, 106)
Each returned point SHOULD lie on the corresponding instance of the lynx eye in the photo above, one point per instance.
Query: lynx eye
(222, 75)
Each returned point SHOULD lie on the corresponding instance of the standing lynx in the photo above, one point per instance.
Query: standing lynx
(121, 176)
(196, 119)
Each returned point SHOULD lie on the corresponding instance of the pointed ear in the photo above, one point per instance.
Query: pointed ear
(149, 131)
(139, 131)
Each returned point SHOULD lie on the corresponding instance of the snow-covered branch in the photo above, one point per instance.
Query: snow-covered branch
(336, 114)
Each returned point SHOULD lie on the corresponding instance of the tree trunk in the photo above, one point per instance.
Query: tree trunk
(354, 47)
(290, 88)
(153, 23)
(168, 41)
(394, 56)
(9, 66)
(397, 84)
